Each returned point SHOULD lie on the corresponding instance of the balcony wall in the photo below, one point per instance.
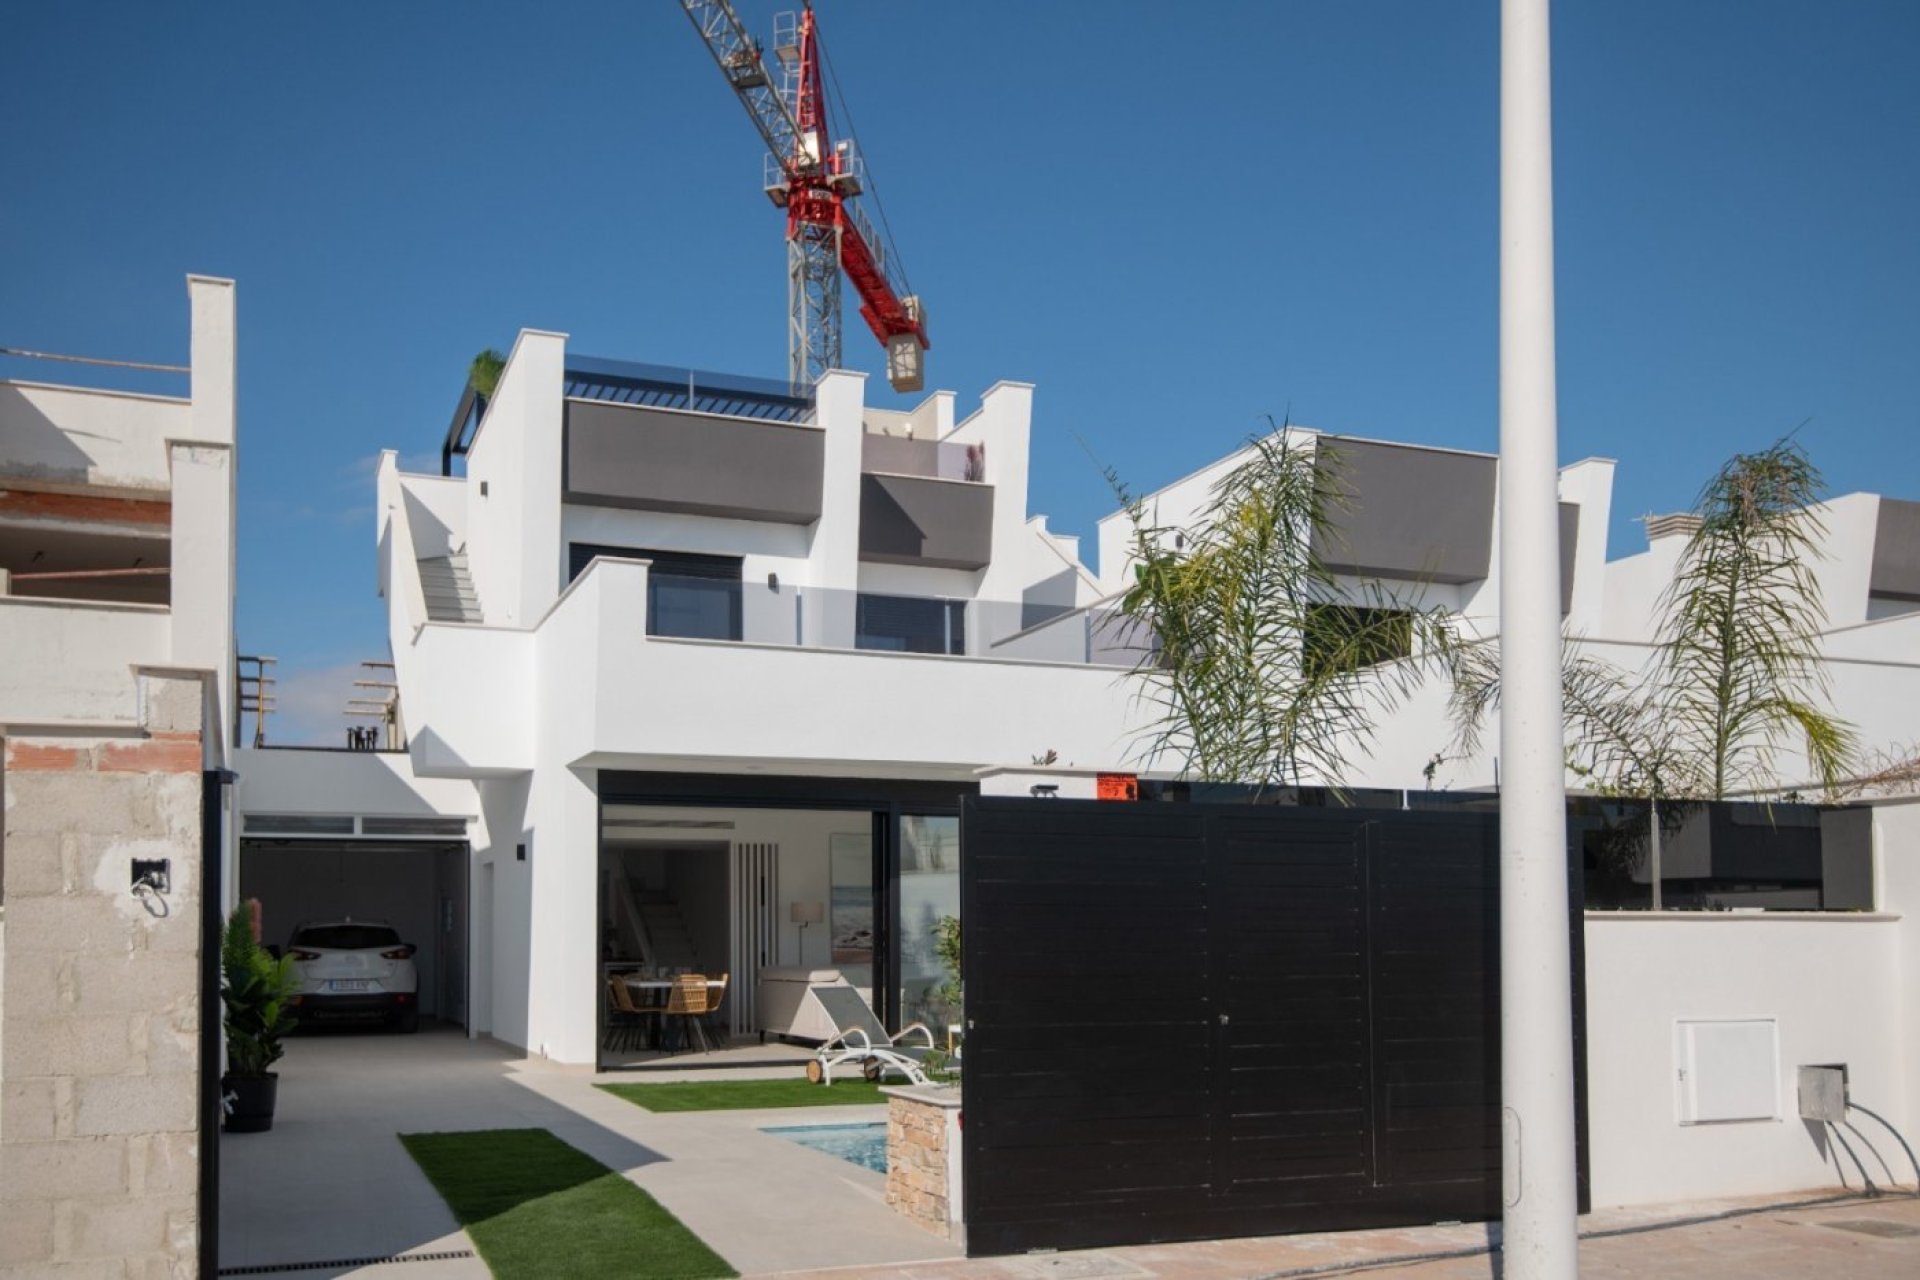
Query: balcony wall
(651, 459)
(612, 693)
(105, 440)
(945, 524)
(69, 662)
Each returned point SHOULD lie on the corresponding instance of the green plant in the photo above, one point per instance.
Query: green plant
(254, 990)
(483, 375)
(946, 949)
(1265, 665)
(1740, 628)
(1737, 665)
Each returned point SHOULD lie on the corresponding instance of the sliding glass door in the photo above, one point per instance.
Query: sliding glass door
(929, 887)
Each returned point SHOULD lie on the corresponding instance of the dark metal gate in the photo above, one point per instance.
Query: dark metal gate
(1188, 1022)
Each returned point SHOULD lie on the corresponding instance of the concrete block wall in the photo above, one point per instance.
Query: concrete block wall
(99, 999)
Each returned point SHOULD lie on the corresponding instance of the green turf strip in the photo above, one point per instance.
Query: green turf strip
(537, 1208)
(742, 1095)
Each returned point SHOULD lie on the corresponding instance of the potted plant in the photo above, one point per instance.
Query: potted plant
(254, 987)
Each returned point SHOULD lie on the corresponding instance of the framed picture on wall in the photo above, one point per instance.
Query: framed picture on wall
(851, 860)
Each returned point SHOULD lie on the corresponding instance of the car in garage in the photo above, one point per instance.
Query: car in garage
(355, 969)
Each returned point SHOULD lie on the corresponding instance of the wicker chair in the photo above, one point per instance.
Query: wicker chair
(625, 1021)
(688, 1002)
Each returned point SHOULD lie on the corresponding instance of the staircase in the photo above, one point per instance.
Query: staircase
(448, 588)
(671, 944)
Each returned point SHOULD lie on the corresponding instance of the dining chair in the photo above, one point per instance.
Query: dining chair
(623, 1019)
(716, 998)
(687, 1002)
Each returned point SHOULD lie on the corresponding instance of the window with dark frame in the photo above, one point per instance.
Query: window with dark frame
(910, 624)
(1344, 637)
(689, 597)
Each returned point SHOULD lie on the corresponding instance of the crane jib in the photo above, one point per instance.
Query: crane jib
(817, 177)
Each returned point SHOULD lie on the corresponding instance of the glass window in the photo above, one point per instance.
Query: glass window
(929, 894)
(693, 608)
(692, 597)
(1342, 637)
(910, 624)
(346, 937)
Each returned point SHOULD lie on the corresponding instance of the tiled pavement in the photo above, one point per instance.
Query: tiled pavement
(1855, 1239)
(331, 1183)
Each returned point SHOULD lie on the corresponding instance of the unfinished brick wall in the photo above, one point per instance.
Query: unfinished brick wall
(99, 1000)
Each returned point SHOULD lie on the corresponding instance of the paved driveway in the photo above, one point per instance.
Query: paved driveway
(331, 1184)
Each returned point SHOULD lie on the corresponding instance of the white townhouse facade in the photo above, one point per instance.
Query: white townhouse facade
(718, 663)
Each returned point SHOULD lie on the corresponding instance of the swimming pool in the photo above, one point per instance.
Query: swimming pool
(861, 1144)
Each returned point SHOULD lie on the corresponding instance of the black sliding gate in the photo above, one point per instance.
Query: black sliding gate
(1188, 1021)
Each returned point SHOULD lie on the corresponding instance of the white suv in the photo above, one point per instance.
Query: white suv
(355, 969)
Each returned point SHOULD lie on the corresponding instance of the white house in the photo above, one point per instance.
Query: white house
(718, 662)
(1422, 522)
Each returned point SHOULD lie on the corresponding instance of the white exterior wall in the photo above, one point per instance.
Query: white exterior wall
(289, 780)
(1832, 984)
(1588, 482)
(513, 532)
(437, 512)
(71, 663)
(1845, 570)
(1896, 836)
(111, 441)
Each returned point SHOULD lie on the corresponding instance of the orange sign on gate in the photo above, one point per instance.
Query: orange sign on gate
(1116, 786)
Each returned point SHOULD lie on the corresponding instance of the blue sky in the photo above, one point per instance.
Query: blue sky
(1174, 219)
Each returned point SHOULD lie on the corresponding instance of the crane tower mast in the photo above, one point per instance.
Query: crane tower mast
(815, 178)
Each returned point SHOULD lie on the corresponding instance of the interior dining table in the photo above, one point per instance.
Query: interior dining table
(653, 993)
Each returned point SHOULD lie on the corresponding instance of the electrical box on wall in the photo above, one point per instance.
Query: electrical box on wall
(1726, 1070)
(1823, 1092)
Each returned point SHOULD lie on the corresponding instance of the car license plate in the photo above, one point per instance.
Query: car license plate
(348, 984)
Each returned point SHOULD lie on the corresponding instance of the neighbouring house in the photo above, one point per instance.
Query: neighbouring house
(1422, 523)
(116, 702)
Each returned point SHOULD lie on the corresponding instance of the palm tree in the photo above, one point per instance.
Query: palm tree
(1264, 667)
(1739, 638)
(1736, 670)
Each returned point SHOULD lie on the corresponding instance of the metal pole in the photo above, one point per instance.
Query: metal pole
(1536, 1014)
(1654, 851)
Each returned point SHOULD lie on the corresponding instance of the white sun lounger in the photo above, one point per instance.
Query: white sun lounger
(860, 1039)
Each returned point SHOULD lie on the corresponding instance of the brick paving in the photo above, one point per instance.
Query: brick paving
(1858, 1239)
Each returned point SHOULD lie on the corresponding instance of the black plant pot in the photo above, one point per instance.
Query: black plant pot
(251, 1099)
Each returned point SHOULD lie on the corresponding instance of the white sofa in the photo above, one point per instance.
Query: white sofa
(781, 1006)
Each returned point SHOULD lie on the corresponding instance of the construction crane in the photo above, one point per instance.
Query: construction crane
(815, 178)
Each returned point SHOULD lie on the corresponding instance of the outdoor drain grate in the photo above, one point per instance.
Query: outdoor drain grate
(341, 1264)
(1078, 1267)
(1879, 1227)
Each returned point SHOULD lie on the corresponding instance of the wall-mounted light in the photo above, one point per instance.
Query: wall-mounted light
(773, 582)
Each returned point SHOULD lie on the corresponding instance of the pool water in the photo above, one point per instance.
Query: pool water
(861, 1144)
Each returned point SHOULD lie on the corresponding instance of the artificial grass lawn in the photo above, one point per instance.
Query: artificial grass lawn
(538, 1208)
(741, 1095)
